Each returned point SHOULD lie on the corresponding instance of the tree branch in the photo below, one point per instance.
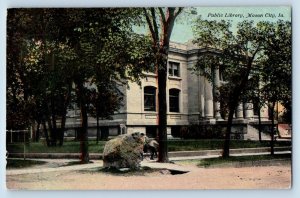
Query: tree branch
(150, 25)
(168, 26)
(255, 52)
(154, 23)
(178, 12)
(162, 15)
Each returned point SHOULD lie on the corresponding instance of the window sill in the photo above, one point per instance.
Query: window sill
(149, 111)
(150, 74)
(174, 78)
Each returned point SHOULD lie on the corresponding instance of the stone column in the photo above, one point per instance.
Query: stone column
(202, 96)
(202, 106)
(239, 111)
(264, 112)
(209, 104)
(248, 110)
(216, 92)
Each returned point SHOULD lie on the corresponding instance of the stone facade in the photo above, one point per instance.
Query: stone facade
(189, 102)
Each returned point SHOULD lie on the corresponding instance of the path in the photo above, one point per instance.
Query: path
(264, 177)
(58, 164)
(54, 176)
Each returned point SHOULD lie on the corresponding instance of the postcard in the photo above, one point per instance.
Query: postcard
(154, 98)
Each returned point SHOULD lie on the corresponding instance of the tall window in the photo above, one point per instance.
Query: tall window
(221, 74)
(149, 98)
(174, 100)
(174, 69)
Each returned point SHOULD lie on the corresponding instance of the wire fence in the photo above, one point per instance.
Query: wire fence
(15, 138)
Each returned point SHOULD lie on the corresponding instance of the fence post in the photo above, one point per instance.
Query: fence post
(11, 136)
(24, 143)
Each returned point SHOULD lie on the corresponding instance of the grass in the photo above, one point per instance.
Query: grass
(233, 159)
(20, 163)
(173, 145)
(68, 147)
(193, 145)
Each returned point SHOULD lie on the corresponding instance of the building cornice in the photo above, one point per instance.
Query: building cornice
(191, 52)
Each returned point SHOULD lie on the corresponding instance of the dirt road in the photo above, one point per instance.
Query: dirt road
(265, 177)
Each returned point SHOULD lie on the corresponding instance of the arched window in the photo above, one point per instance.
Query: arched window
(149, 98)
(174, 100)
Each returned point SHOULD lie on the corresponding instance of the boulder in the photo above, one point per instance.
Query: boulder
(124, 151)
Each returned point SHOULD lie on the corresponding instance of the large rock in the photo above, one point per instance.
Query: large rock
(124, 151)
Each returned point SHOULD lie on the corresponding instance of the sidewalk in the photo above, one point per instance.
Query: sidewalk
(95, 164)
(41, 169)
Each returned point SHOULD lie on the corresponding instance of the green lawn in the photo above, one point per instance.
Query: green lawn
(192, 145)
(20, 163)
(233, 159)
(215, 161)
(68, 147)
(173, 145)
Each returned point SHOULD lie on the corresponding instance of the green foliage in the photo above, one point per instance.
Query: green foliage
(255, 63)
(253, 50)
(277, 64)
(50, 49)
(234, 53)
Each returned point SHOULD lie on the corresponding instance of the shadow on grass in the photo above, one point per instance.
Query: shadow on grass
(209, 162)
(21, 163)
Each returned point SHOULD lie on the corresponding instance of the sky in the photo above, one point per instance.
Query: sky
(182, 31)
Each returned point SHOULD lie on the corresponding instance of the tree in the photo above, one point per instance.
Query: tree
(17, 94)
(236, 53)
(37, 66)
(70, 45)
(130, 50)
(276, 68)
(111, 54)
(160, 31)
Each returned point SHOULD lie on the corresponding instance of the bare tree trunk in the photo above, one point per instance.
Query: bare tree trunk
(162, 116)
(259, 126)
(49, 122)
(84, 135)
(98, 130)
(84, 157)
(233, 103)
(46, 133)
(54, 126)
(160, 42)
(64, 116)
(228, 132)
(272, 127)
(62, 129)
(37, 132)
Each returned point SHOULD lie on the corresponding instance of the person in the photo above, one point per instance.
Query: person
(151, 146)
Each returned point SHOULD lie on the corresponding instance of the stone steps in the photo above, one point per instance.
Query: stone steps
(252, 134)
